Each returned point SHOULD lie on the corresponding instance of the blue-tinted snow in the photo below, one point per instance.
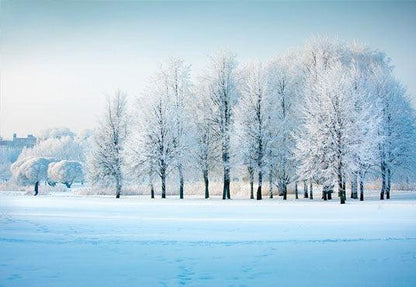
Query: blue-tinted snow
(101, 241)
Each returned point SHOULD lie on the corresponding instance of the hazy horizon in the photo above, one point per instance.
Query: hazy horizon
(59, 60)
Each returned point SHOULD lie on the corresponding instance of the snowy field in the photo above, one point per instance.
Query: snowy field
(66, 240)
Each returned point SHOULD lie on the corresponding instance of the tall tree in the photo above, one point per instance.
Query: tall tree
(396, 128)
(254, 109)
(284, 88)
(222, 79)
(176, 75)
(107, 159)
(205, 149)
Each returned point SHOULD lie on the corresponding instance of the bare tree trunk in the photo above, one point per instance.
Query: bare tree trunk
(383, 180)
(260, 175)
(152, 191)
(388, 187)
(341, 189)
(361, 186)
(181, 181)
(36, 188)
(311, 189)
(296, 190)
(270, 184)
(226, 189)
(251, 176)
(206, 182)
(118, 187)
(284, 187)
(324, 192)
(305, 189)
(354, 186)
(163, 179)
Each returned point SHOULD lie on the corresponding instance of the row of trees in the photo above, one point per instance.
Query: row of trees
(328, 113)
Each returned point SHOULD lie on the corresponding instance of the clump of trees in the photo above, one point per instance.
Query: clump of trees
(34, 170)
(329, 113)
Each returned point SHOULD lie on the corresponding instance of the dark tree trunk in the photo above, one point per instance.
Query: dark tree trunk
(152, 191)
(305, 189)
(181, 182)
(226, 189)
(383, 180)
(251, 189)
(388, 186)
(341, 189)
(36, 188)
(163, 179)
(354, 186)
(284, 187)
(270, 184)
(324, 192)
(259, 193)
(118, 187)
(206, 182)
(251, 175)
(259, 196)
(68, 184)
(296, 190)
(361, 188)
(311, 189)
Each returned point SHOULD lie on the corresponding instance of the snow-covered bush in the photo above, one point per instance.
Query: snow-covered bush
(66, 172)
(31, 171)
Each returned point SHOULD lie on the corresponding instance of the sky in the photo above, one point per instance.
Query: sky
(60, 60)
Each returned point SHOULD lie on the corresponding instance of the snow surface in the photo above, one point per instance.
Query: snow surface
(71, 240)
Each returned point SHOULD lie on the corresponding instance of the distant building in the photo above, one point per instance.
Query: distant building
(16, 142)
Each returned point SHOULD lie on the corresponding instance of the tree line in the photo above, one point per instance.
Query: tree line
(328, 113)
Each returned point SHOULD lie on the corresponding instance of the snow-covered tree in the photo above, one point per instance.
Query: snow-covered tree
(365, 117)
(161, 144)
(8, 155)
(175, 75)
(66, 172)
(223, 93)
(31, 171)
(396, 128)
(107, 157)
(64, 148)
(253, 115)
(205, 147)
(55, 133)
(284, 88)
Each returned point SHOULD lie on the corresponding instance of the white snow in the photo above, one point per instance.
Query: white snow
(72, 240)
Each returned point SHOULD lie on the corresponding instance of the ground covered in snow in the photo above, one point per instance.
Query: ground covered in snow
(66, 240)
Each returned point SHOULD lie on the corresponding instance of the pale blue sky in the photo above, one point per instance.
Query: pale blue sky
(59, 60)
